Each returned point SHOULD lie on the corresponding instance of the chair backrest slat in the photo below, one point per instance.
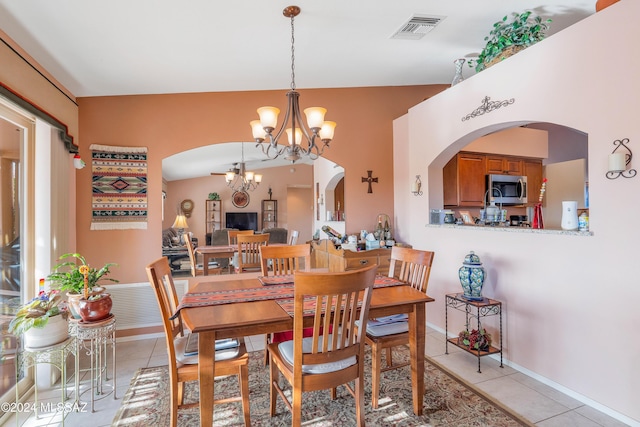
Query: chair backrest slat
(233, 235)
(192, 254)
(281, 260)
(159, 274)
(249, 250)
(340, 300)
(293, 237)
(415, 266)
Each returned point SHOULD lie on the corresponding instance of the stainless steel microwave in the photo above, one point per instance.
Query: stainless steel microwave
(507, 189)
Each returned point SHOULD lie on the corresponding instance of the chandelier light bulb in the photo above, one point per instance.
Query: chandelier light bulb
(248, 176)
(298, 136)
(315, 117)
(258, 178)
(258, 131)
(326, 132)
(268, 117)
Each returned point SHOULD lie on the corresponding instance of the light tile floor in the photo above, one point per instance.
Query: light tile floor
(539, 403)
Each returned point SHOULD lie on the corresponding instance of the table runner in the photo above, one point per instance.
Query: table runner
(276, 292)
(119, 188)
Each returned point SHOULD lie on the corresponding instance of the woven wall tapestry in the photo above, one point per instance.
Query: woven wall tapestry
(119, 199)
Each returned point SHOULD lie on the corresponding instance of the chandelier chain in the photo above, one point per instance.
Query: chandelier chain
(293, 57)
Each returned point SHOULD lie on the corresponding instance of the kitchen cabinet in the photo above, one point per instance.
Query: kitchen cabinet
(464, 177)
(504, 165)
(464, 180)
(532, 169)
(213, 215)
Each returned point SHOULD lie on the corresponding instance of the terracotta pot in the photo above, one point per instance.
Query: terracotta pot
(94, 310)
(74, 301)
(601, 4)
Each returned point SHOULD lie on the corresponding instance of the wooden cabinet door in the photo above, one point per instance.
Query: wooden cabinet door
(532, 169)
(471, 179)
(504, 165)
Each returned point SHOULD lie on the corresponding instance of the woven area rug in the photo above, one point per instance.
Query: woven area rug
(448, 401)
(119, 188)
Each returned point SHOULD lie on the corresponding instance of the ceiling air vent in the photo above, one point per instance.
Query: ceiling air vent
(416, 27)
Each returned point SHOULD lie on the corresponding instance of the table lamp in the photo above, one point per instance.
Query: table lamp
(180, 224)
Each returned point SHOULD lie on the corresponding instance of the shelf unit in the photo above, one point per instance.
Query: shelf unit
(213, 215)
(269, 214)
(473, 310)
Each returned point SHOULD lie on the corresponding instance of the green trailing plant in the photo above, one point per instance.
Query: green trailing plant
(36, 313)
(524, 29)
(214, 196)
(476, 339)
(67, 275)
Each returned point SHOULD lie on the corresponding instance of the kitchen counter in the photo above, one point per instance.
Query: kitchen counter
(510, 229)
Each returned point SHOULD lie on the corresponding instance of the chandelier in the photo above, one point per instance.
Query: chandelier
(295, 129)
(240, 180)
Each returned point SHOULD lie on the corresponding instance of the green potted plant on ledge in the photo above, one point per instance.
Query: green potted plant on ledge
(79, 281)
(42, 321)
(509, 37)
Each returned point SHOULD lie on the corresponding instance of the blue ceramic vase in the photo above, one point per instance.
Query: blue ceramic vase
(472, 277)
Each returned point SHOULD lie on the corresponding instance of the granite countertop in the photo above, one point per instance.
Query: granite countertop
(510, 229)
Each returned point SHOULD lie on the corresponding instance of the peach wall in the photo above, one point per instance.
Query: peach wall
(167, 124)
(300, 212)
(570, 302)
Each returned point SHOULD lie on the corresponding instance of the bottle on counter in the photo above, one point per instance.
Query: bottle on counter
(379, 233)
(583, 222)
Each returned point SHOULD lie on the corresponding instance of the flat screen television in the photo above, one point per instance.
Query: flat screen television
(242, 220)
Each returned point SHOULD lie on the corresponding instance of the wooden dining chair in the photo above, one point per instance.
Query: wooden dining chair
(293, 237)
(232, 239)
(184, 367)
(412, 266)
(324, 360)
(280, 261)
(249, 251)
(197, 269)
(233, 235)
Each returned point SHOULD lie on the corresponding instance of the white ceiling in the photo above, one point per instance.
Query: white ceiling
(123, 47)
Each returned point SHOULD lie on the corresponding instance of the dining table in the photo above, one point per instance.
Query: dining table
(211, 252)
(215, 251)
(239, 305)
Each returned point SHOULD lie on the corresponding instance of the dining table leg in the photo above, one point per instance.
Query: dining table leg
(417, 347)
(206, 376)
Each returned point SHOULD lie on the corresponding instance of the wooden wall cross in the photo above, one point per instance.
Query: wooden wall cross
(369, 179)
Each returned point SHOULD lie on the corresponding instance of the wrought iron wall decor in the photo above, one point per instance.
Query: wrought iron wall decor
(369, 179)
(488, 106)
(618, 166)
